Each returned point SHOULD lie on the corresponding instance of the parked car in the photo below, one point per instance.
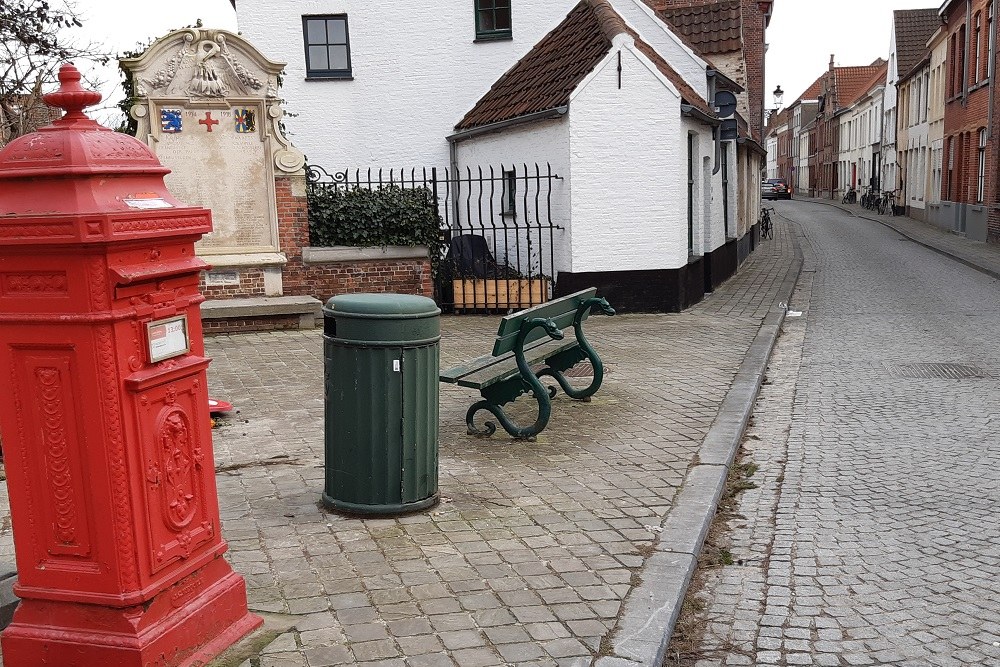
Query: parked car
(775, 188)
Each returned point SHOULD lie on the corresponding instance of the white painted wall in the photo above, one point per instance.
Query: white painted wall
(416, 70)
(652, 30)
(889, 127)
(545, 143)
(935, 117)
(771, 144)
(628, 214)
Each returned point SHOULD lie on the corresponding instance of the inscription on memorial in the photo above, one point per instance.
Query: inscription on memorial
(226, 170)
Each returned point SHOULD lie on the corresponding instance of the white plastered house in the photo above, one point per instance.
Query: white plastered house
(605, 95)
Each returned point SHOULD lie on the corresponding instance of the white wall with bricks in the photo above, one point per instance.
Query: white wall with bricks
(545, 144)
(628, 155)
(416, 71)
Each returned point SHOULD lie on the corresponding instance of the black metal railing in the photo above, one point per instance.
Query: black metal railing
(499, 236)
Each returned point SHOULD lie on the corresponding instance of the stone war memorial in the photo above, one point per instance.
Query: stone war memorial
(207, 104)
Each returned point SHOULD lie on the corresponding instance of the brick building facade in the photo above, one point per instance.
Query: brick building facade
(970, 152)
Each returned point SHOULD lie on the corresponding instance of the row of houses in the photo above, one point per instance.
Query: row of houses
(645, 115)
(922, 124)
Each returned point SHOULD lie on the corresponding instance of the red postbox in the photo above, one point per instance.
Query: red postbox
(104, 407)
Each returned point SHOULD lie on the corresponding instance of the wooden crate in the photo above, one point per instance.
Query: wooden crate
(500, 294)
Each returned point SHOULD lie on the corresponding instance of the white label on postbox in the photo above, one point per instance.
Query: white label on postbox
(148, 203)
(167, 338)
(395, 365)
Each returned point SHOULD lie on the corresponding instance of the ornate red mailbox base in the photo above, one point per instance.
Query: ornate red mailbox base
(104, 407)
(186, 625)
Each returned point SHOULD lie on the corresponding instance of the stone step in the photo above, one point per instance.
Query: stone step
(309, 309)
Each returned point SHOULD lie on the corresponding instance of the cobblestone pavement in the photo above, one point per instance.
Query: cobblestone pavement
(534, 548)
(872, 538)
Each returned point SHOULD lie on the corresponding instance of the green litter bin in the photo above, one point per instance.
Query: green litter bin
(381, 363)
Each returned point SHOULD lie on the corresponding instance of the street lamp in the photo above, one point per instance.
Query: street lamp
(779, 98)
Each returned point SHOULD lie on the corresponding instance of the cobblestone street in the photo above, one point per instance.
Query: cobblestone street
(872, 536)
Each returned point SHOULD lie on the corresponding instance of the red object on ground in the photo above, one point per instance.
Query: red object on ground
(107, 438)
(215, 406)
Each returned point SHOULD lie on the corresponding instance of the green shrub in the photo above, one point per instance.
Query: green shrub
(381, 217)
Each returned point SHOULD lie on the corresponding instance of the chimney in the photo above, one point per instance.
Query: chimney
(831, 62)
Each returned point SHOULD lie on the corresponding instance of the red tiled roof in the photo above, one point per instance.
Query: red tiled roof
(813, 92)
(545, 78)
(712, 27)
(914, 28)
(877, 78)
(852, 81)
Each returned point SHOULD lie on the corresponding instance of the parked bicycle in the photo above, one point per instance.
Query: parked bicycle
(766, 226)
(887, 203)
(870, 199)
(851, 196)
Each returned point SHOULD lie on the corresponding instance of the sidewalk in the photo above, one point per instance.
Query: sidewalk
(984, 257)
(573, 550)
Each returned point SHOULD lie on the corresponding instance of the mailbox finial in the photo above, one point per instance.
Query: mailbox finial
(71, 96)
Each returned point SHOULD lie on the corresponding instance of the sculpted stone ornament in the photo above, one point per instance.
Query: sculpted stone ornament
(202, 66)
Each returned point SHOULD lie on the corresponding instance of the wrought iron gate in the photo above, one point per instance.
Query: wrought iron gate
(498, 239)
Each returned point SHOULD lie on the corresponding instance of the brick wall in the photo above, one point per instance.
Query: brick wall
(409, 276)
(753, 47)
(251, 285)
(405, 276)
(966, 113)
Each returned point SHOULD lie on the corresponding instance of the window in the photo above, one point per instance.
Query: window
(328, 50)
(963, 56)
(981, 181)
(952, 61)
(493, 19)
(974, 53)
(509, 192)
(988, 68)
(951, 167)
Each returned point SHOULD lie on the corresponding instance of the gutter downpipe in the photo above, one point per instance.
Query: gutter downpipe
(688, 110)
(991, 71)
(716, 131)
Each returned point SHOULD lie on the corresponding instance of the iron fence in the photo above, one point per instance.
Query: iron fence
(499, 236)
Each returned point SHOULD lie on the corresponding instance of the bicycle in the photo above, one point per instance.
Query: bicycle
(851, 196)
(887, 202)
(766, 226)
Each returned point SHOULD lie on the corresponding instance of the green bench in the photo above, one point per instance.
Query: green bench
(525, 339)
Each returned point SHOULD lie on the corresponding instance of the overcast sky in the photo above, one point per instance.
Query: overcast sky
(803, 34)
(801, 37)
(122, 26)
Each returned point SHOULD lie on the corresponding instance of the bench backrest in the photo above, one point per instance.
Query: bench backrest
(562, 311)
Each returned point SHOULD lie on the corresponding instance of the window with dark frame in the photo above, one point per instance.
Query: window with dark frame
(988, 65)
(509, 192)
(493, 19)
(981, 182)
(974, 53)
(328, 48)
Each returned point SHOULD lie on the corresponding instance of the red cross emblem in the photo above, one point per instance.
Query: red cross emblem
(208, 121)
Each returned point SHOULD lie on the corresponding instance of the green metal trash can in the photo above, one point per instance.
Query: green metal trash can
(382, 359)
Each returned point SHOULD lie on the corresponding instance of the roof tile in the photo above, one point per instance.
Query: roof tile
(712, 27)
(545, 78)
(914, 28)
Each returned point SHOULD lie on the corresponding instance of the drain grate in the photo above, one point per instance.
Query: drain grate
(934, 371)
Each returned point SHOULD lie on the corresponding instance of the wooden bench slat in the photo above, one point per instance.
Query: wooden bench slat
(532, 353)
(562, 311)
(506, 366)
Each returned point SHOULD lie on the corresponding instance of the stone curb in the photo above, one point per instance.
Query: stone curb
(972, 264)
(653, 607)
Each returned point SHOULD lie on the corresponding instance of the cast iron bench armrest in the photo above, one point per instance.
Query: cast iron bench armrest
(523, 339)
